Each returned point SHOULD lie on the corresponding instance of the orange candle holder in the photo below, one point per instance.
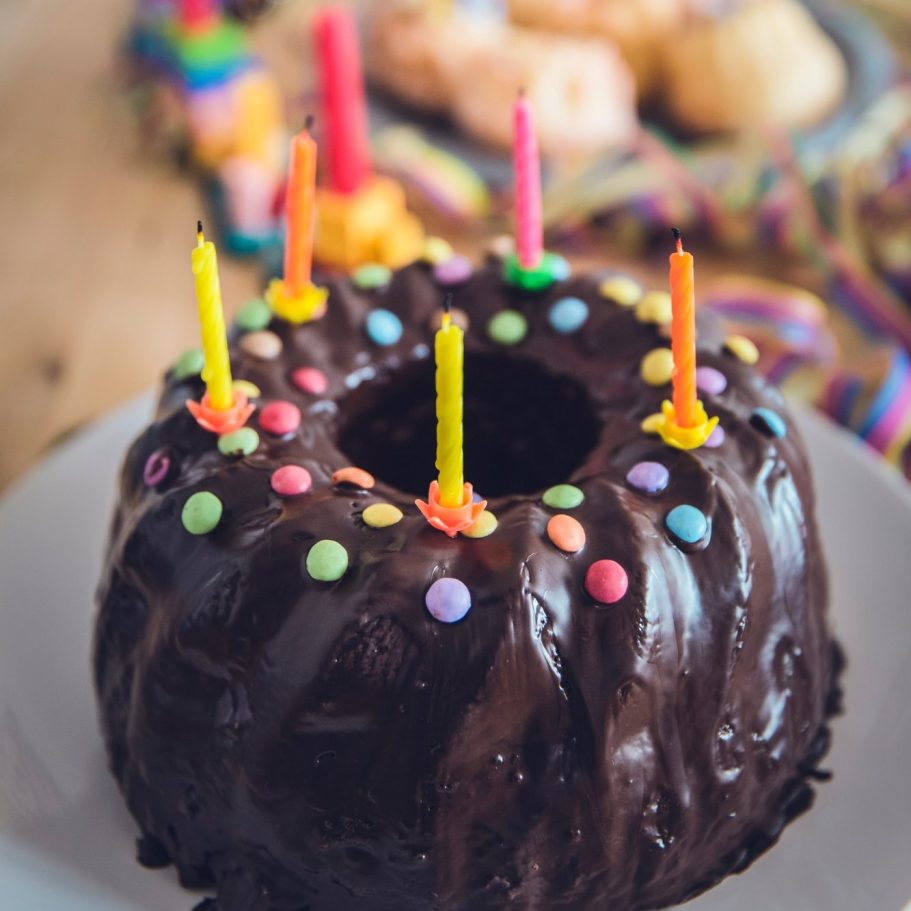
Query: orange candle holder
(222, 422)
(674, 434)
(296, 307)
(450, 519)
(370, 225)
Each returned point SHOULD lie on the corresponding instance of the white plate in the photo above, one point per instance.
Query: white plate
(66, 843)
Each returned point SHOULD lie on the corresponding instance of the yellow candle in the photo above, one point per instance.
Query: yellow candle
(450, 355)
(217, 371)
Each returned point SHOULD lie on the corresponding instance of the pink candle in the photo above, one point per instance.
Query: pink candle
(197, 13)
(344, 107)
(527, 167)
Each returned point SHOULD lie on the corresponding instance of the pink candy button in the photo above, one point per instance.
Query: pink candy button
(280, 418)
(310, 380)
(291, 480)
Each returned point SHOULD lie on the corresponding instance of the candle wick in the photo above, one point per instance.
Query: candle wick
(200, 236)
(447, 303)
(678, 237)
(308, 123)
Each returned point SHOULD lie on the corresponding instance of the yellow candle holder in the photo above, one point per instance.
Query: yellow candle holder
(666, 426)
(306, 305)
(450, 519)
(371, 225)
(222, 422)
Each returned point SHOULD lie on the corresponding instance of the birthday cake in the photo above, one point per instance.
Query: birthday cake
(587, 667)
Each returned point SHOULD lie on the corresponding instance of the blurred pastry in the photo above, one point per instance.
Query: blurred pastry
(635, 26)
(582, 90)
(750, 64)
(436, 60)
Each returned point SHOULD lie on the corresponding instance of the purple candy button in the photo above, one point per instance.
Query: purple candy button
(716, 438)
(710, 380)
(448, 600)
(652, 477)
(453, 271)
(157, 468)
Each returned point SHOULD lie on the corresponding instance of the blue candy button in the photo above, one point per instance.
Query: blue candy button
(383, 327)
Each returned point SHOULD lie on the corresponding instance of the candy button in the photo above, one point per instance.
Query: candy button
(566, 533)
(382, 515)
(508, 327)
(383, 327)
(621, 290)
(201, 513)
(657, 367)
(651, 423)
(264, 345)
(716, 438)
(157, 468)
(769, 422)
(356, 477)
(310, 380)
(652, 477)
(458, 316)
(501, 246)
(250, 390)
(655, 307)
(454, 271)
(484, 525)
(606, 581)
(280, 418)
(190, 363)
(254, 315)
(240, 442)
(436, 250)
(291, 480)
(687, 523)
(371, 276)
(568, 315)
(710, 380)
(558, 266)
(448, 600)
(563, 496)
(327, 561)
(742, 348)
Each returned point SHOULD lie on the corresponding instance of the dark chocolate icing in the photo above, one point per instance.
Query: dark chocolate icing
(301, 745)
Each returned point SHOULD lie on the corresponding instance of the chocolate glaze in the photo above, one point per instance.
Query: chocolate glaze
(302, 746)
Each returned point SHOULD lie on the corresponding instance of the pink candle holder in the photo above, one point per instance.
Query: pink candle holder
(450, 519)
(221, 422)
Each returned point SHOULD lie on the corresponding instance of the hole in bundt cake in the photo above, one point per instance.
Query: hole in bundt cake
(525, 427)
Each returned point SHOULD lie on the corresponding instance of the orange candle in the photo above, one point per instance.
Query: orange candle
(683, 335)
(299, 211)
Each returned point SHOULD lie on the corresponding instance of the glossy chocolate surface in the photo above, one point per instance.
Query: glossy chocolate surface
(292, 744)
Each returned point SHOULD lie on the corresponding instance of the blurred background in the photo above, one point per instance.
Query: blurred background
(775, 133)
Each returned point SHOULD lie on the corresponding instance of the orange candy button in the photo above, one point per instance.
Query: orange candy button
(566, 533)
(356, 477)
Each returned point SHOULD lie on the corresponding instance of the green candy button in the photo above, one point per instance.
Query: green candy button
(508, 327)
(240, 442)
(254, 315)
(563, 496)
(370, 276)
(327, 561)
(190, 363)
(201, 513)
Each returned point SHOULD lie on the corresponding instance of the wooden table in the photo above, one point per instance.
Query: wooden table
(94, 247)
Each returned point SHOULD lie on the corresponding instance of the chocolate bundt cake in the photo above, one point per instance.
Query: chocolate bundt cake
(633, 696)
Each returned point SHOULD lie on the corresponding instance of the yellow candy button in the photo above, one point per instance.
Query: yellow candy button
(657, 367)
(621, 290)
(382, 515)
(250, 390)
(742, 348)
(484, 525)
(436, 250)
(655, 307)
